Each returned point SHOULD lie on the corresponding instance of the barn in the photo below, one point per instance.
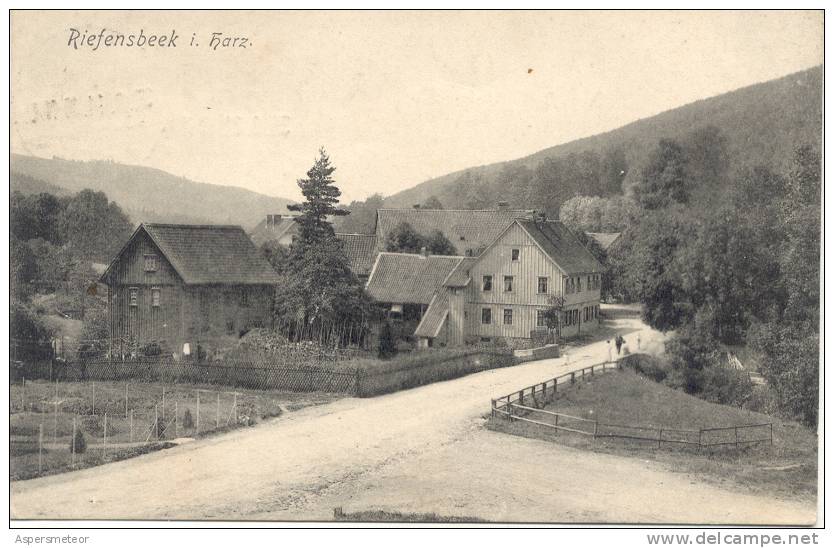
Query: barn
(175, 288)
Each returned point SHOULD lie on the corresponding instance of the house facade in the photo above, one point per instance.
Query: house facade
(503, 293)
(180, 287)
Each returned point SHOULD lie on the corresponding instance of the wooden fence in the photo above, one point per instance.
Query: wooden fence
(526, 405)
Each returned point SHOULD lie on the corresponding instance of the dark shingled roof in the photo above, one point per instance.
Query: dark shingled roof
(408, 277)
(477, 227)
(604, 239)
(562, 246)
(360, 250)
(210, 254)
(460, 275)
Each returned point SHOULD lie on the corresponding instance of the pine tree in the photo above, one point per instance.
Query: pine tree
(321, 201)
(319, 287)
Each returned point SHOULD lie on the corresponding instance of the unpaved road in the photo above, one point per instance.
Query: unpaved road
(421, 450)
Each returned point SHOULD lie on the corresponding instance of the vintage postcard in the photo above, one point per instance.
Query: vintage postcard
(425, 267)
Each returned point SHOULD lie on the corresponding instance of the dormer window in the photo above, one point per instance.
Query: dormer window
(151, 263)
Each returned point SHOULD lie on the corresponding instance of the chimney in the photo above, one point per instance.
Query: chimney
(416, 206)
(424, 251)
(503, 206)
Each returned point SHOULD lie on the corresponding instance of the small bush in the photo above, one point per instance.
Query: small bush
(78, 444)
(187, 419)
(387, 342)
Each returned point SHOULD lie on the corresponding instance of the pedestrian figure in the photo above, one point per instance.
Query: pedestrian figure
(619, 342)
(567, 358)
(609, 350)
(638, 342)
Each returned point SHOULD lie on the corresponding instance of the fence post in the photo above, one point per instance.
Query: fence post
(40, 448)
(176, 422)
(55, 431)
(156, 420)
(556, 425)
(510, 411)
(572, 377)
(521, 397)
(23, 395)
(771, 434)
(659, 437)
(131, 426)
(126, 398)
(163, 400)
(700, 433)
(218, 411)
(93, 384)
(198, 413)
(234, 406)
(592, 370)
(736, 429)
(492, 410)
(596, 426)
(72, 446)
(104, 451)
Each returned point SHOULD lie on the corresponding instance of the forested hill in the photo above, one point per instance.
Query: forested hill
(761, 124)
(144, 193)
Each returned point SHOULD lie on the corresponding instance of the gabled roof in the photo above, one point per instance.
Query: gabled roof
(360, 250)
(265, 232)
(604, 239)
(562, 246)
(467, 229)
(408, 277)
(434, 317)
(207, 254)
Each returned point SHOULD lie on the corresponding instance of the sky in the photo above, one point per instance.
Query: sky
(395, 97)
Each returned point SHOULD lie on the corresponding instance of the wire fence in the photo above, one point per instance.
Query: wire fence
(57, 426)
(527, 405)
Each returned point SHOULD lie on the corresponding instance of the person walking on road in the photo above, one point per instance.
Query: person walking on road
(609, 350)
(619, 342)
(638, 342)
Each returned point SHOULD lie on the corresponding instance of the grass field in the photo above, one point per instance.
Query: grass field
(787, 469)
(137, 418)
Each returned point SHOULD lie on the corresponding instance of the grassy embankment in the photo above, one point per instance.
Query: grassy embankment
(787, 469)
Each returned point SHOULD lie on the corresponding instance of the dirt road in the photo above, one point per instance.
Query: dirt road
(420, 450)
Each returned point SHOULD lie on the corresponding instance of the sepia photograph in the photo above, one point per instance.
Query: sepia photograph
(416, 268)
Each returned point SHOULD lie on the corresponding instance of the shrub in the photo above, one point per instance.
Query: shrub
(187, 419)
(387, 342)
(151, 349)
(78, 444)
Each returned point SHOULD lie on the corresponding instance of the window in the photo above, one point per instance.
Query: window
(508, 283)
(244, 297)
(230, 327)
(133, 294)
(486, 316)
(578, 284)
(508, 316)
(542, 284)
(515, 254)
(155, 296)
(151, 263)
(487, 283)
(541, 321)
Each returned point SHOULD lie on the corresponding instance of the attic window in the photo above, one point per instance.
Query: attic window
(151, 263)
(515, 253)
(133, 296)
(155, 296)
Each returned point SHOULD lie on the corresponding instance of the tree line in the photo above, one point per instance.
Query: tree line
(725, 259)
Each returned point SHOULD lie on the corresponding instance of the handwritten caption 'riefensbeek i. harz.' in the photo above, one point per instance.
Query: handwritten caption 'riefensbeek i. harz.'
(105, 38)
